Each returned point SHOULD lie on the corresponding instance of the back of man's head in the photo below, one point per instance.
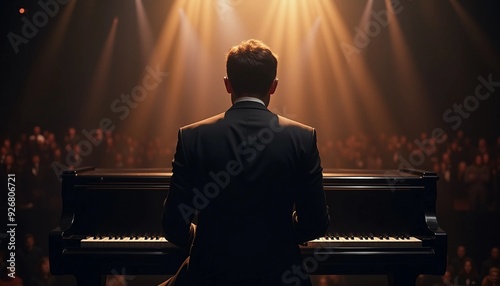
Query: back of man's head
(251, 68)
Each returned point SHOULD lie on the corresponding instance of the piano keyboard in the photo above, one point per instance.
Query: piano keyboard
(125, 242)
(326, 241)
(365, 241)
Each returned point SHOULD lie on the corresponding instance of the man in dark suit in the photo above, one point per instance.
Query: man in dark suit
(252, 179)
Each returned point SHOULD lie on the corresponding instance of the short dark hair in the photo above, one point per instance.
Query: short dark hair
(251, 67)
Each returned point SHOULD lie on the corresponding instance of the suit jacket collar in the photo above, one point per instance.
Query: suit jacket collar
(247, 105)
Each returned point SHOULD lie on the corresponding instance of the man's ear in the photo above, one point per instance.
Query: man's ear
(227, 83)
(273, 87)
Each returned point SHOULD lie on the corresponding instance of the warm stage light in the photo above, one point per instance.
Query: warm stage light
(145, 34)
(22, 10)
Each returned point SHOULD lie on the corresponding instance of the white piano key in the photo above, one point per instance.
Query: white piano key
(124, 242)
(357, 241)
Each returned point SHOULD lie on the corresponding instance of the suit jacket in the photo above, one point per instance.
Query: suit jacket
(242, 174)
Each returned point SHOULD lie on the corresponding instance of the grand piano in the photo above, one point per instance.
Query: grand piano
(383, 222)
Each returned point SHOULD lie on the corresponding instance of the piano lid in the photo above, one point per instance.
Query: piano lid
(331, 177)
(328, 173)
(374, 174)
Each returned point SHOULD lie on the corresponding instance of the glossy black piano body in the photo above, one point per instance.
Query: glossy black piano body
(128, 203)
(388, 202)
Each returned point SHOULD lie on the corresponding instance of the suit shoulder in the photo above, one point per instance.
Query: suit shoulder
(204, 122)
(287, 122)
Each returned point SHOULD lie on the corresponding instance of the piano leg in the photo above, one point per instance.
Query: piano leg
(402, 278)
(90, 280)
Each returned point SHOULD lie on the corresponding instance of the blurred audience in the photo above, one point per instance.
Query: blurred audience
(467, 275)
(43, 277)
(458, 259)
(492, 279)
(31, 257)
(492, 262)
